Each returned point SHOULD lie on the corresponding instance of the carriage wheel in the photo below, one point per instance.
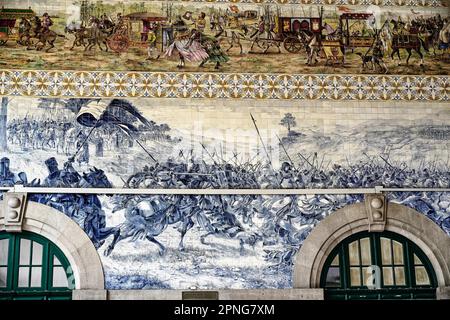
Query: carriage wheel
(3, 38)
(119, 43)
(292, 45)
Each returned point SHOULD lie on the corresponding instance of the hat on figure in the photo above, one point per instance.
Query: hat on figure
(52, 166)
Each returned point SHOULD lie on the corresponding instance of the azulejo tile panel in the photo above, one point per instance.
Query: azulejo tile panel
(224, 86)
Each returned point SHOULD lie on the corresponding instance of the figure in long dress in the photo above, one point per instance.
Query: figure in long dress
(211, 46)
(188, 50)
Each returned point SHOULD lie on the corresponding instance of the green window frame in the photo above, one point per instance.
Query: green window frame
(33, 267)
(405, 271)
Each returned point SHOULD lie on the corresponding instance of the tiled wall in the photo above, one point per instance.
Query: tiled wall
(75, 118)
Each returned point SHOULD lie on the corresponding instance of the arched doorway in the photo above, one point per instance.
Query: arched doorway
(52, 226)
(382, 265)
(378, 219)
(33, 268)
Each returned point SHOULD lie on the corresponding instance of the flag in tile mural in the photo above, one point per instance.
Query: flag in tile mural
(121, 113)
(91, 113)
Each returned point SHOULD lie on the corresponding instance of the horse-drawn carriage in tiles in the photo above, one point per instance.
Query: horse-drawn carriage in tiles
(290, 29)
(9, 29)
(134, 30)
(355, 38)
(350, 34)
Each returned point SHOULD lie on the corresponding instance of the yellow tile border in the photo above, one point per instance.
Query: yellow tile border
(101, 84)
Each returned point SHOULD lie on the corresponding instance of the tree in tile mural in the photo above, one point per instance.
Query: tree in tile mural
(214, 241)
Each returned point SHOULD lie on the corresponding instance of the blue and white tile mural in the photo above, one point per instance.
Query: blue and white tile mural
(217, 241)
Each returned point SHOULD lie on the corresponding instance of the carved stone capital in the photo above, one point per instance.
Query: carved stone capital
(13, 209)
(376, 209)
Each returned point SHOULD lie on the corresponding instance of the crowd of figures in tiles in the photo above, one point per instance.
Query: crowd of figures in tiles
(84, 143)
(170, 36)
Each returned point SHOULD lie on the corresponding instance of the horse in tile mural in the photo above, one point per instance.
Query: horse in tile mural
(271, 37)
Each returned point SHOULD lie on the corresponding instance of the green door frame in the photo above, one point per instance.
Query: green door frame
(408, 291)
(46, 291)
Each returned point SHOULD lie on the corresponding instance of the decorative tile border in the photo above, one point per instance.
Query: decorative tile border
(400, 3)
(223, 85)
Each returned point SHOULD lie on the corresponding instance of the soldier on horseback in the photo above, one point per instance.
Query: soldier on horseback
(40, 30)
(24, 31)
(36, 26)
(47, 22)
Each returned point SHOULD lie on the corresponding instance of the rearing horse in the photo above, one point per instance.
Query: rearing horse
(43, 37)
(149, 217)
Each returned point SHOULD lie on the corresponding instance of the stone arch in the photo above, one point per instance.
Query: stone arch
(65, 234)
(432, 240)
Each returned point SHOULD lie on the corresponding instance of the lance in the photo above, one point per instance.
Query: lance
(260, 138)
(323, 157)
(235, 159)
(207, 152)
(87, 137)
(387, 162)
(135, 139)
(326, 167)
(138, 142)
(305, 160)
(187, 173)
(370, 159)
(220, 157)
(287, 155)
(125, 184)
(249, 163)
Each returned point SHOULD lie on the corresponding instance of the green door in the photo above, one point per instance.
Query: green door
(33, 268)
(385, 265)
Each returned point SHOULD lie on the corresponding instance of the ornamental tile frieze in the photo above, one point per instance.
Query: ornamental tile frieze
(223, 86)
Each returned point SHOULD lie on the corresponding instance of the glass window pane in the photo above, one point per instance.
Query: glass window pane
(4, 252)
(25, 251)
(59, 277)
(422, 278)
(335, 261)
(23, 276)
(417, 260)
(365, 251)
(400, 276)
(355, 277)
(386, 251)
(56, 261)
(398, 252)
(37, 253)
(353, 252)
(333, 277)
(36, 277)
(3, 276)
(388, 278)
(366, 273)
